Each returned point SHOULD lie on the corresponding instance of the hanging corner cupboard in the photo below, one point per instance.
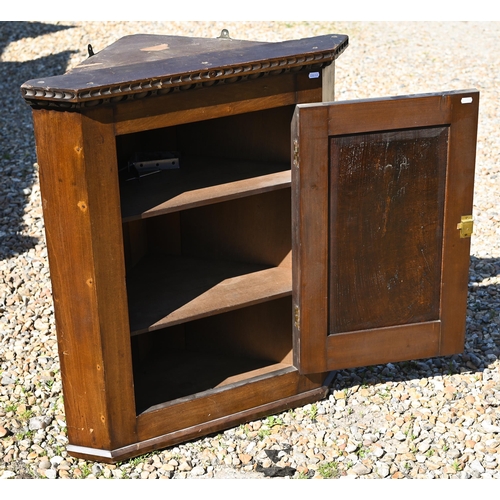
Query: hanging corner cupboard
(222, 235)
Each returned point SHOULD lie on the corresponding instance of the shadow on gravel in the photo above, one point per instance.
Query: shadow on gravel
(17, 145)
(482, 339)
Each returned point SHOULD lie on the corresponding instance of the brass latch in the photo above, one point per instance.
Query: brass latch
(466, 226)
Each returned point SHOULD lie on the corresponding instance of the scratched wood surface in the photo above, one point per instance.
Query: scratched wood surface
(387, 227)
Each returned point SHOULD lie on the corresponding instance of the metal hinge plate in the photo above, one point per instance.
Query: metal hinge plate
(296, 317)
(466, 226)
(296, 153)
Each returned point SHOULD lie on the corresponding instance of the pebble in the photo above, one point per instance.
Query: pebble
(431, 418)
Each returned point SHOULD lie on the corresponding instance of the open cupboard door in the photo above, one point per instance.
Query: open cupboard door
(382, 215)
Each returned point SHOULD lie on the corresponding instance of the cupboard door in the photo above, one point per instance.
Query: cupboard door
(380, 252)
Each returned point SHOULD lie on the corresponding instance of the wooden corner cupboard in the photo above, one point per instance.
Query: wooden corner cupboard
(222, 235)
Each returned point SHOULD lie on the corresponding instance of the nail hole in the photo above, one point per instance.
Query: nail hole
(466, 100)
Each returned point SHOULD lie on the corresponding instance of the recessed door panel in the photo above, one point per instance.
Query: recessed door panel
(386, 228)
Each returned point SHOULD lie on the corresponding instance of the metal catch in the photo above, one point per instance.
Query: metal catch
(295, 152)
(296, 317)
(466, 226)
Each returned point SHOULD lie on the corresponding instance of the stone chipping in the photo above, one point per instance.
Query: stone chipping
(431, 418)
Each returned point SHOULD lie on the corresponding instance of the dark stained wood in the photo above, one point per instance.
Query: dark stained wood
(256, 326)
(247, 281)
(401, 173)
(459, 201)
(179, 376)
(386, 228)
(241, 230)
(219, 403)
(384, 345)
(201, 256)
(310, 189)
(138, 65)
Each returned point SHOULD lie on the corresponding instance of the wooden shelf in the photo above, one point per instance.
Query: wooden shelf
(177, 375)
(168, 290)
(199, 181)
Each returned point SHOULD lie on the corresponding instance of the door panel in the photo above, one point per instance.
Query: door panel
(386, 228)
(380, 268)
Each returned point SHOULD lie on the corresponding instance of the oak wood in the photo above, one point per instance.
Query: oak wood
(203, 260)
(176, 437)
(173, 190)
(144, 66)
(82, 222)
(458, 202)
(218, 403)
(387, 212)
(454, 124)
(263, 332)
(384, 345)
(186, 375)
(310, 237)
(254, 229)
(273, 92)
(185, 289)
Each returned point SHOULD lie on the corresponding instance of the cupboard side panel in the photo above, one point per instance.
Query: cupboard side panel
(89, 362)
(107, 240)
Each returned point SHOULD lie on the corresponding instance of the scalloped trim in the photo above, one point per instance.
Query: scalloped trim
(65, 99)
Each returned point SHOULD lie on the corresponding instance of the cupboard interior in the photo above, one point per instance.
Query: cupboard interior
(208, 249)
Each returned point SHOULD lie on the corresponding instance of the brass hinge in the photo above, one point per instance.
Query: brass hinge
(295, 153)
(296, 317)
(466, 226)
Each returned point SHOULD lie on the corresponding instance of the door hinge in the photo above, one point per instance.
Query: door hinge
(296, 317)
(466, 226)
(295, 153)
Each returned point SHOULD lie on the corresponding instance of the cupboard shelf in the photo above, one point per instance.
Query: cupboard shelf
(196, 374)
(199, 181)
(169, 290)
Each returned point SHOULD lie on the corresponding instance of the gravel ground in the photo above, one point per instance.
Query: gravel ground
(436, 418)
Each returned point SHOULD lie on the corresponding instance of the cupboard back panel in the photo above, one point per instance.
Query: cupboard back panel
(258, 136)
(262, 331)
(254, 229)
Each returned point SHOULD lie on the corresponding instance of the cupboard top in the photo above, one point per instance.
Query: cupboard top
(142, 65)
